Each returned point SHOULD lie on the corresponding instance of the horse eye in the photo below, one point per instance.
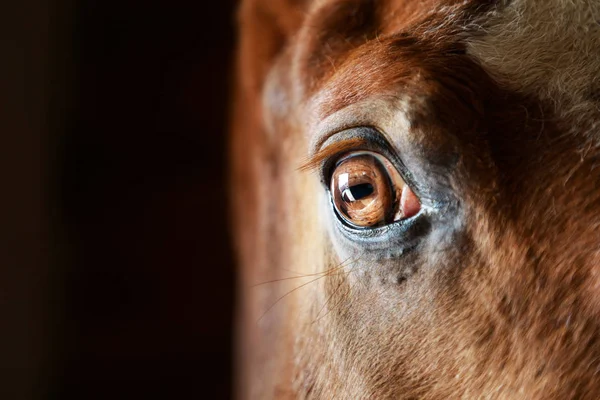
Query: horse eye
(368, 191)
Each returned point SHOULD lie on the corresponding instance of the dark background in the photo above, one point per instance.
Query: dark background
(118, 278)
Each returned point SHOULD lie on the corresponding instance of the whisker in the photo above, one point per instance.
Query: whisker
(321, 275)
(331, 295)
(291, 270)
(285, 295)
(283, 279)
(339, 302)
(341, 265)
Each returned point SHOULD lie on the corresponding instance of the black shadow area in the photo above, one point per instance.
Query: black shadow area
(149, 289)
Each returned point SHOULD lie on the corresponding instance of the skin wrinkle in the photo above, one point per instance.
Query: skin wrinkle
(488, 106)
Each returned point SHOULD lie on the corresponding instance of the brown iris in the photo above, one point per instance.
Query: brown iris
(368, 191)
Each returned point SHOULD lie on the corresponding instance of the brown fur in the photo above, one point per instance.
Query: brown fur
(507, 307)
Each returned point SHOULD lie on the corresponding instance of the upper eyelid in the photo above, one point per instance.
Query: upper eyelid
(380, 114)
(366, 138)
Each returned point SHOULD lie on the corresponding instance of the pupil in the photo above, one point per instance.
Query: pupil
(358, 192)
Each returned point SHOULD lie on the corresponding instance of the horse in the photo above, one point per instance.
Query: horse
(415, 203)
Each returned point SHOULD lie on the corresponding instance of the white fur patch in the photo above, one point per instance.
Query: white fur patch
(548, 48)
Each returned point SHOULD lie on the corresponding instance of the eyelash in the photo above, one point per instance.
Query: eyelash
(336, 146)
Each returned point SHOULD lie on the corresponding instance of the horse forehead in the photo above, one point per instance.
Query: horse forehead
(334, 29)
(547, 49)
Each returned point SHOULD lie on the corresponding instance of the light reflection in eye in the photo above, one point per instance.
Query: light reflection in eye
(357, 192)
